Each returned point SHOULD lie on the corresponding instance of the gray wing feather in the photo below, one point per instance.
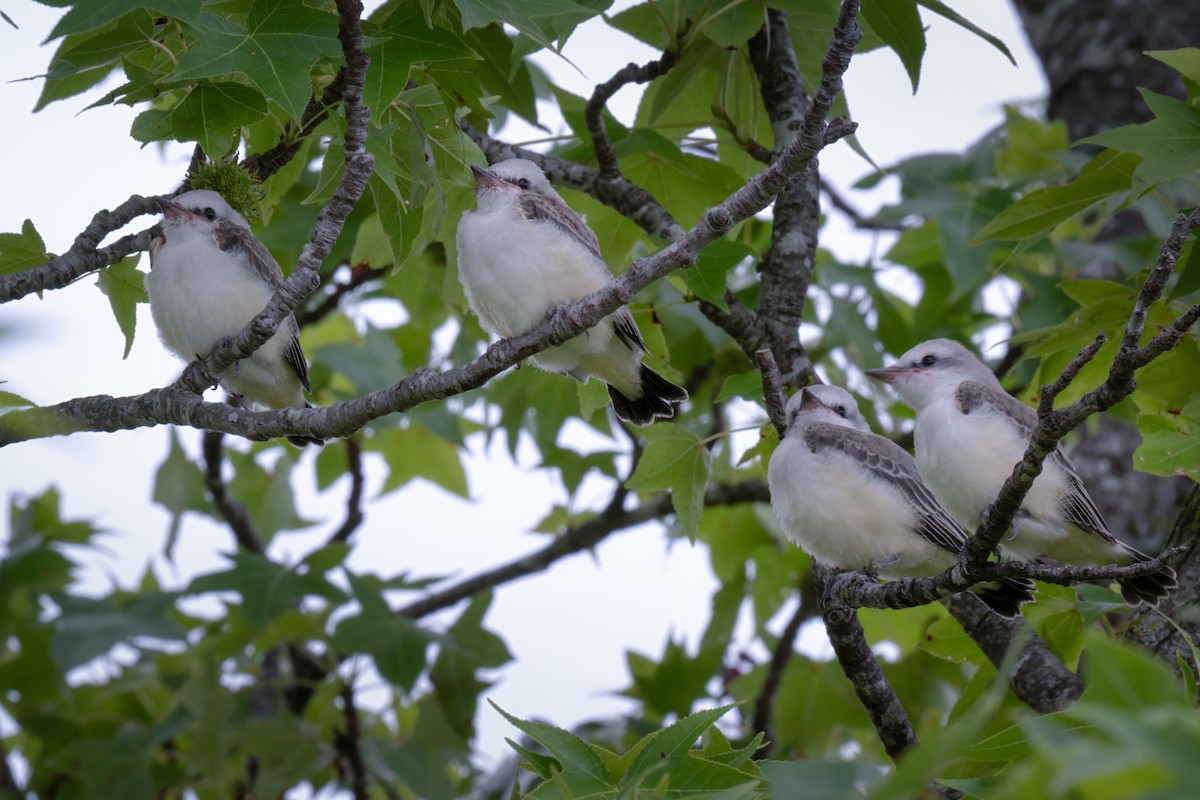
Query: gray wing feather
(233, 238)
(1078, 505)
(627, 330)
(889, 462)
(537, 206)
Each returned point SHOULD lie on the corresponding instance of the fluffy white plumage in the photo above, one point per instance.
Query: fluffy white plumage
(209, 277)
(853, 499)
(970, 434)
(521, 253)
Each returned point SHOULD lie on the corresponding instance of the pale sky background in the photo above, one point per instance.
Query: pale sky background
(568, 628)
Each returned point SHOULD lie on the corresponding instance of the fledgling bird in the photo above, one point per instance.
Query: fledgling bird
(970, 434)
(209, 276)
(855, 500)
(522, 252)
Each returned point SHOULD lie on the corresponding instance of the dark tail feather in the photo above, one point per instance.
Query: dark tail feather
(1149, 589)
(659, 398)
(304, 441)
(1006, 596)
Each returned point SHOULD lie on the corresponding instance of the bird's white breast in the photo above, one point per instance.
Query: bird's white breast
(515, 270)
(842, 515)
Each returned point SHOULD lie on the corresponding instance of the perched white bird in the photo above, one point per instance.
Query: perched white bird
(970, 434)
(855, 500)
(208, 277)
(522, 252)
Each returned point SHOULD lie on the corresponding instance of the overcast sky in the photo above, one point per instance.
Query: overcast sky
(63, 164)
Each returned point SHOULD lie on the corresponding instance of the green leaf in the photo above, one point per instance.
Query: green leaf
(282, 39)
(20, 251)
(1185, 61)
(178, 487)
(733, 23)
(122, 283)
(397, 645)
(267, 589)
(402, 40)
(706, 278)
(83, 17)
(582, 769)
(89, 628)
(677, 460)
(544, 21)
(818, 778)
(417, 452)
(1169, 144)
(673, 741)
(1170, 443)
(266, 493)
(940, 8)
(1104, 176)
(210, 115)
(13, 400)
(898, 23)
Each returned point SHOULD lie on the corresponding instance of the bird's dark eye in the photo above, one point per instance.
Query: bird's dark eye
(209, 214)
(841, 411)
(523, 183)
(929, 360)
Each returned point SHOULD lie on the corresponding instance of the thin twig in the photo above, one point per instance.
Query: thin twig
(780, 656)
(773, 395)
(233, 512)
(264, 165)
(859, 590)
(581, 537)
(329, 301)
(347, 744)
(354, 511)
(860, 221)
(593, 112)
(1054, 425)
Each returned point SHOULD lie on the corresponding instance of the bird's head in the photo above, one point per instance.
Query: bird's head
(933, 370)
(824, 403)
(200, 210)
(505, 180)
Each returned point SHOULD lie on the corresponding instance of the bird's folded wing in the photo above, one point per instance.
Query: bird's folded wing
(1077, 504)
(627, 330)
(235, 239)
(554, 211)
(890, 463)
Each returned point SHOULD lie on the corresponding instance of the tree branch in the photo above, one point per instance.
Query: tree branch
(606, 156)
(582, 537)
(1054, 425)
(83, 257)
(347, 744)
(181, 404)
(782, 654)
(1038, 677)
(773, 396)
(861, 222)
(264, 165)
(354, 512)
(859, 664)
(859, 590)
(233, 512)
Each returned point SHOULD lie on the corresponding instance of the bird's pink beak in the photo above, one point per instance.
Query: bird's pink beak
(888, 374)
(809, 400)
(172, 210)
(485, 178)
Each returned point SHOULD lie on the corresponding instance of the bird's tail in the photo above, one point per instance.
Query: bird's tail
(1149, 589)
(1006, 596)
(304, 441)
(659, 398)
